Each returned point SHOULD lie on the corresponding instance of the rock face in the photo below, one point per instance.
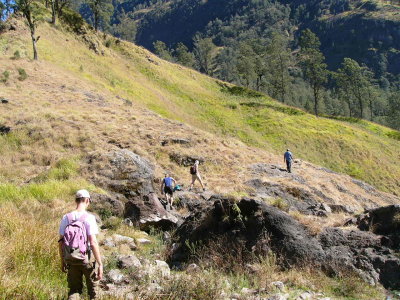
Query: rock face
(383, 220)
(122, 172)
(258, 226)
(148, 212)
(261, 228)
(130, 179)
(108, 204)
(363, 253)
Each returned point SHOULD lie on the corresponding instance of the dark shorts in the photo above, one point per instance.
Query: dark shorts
(168, 190)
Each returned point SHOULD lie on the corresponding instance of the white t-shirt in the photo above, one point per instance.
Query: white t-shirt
(90, 223)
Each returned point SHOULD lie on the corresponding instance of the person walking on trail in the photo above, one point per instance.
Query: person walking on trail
(79, 249)
(288, 158)
(167, 188)
(194, 171)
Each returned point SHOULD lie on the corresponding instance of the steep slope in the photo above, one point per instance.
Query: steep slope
(362, 149)
(76, 105)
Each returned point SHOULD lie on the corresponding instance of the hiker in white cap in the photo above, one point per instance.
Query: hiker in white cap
(79, 249)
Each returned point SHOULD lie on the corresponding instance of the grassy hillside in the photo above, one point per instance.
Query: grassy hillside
(364, 150)
(75, 102)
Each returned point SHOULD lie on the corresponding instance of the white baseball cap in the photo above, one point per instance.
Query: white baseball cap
(82, 194)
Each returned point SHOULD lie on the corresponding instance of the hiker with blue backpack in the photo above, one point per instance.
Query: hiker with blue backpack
(288, 158)
(168, 188)
(79, 249)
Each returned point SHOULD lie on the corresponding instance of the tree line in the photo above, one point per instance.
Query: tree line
(297, 77)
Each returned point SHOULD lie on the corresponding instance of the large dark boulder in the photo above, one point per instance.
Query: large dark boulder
(362, 253)
(259, 227)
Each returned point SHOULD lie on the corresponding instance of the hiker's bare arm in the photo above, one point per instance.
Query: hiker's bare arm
(162, 187)
(60, 251)
(96, 253)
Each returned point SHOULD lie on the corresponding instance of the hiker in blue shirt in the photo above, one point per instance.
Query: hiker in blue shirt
(288, 158)
(167, 189)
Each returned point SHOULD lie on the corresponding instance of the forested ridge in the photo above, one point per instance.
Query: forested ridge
(256, 44)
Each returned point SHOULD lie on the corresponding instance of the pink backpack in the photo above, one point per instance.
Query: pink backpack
(75, 242)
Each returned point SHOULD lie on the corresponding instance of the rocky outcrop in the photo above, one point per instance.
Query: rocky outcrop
(362, 253)
(383, 220)
(260, 229)
(108, 205)
(122, 172)
(147, 212)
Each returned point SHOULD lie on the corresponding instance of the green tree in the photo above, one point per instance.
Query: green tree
(33, 12)
(126, 28)
(161, 50)
(246, 64)
(393, 117)
(57, 7)
(102, 11)
(313, 65)
(203, 52)
(183, 56)
(279, 60)
(355, 81)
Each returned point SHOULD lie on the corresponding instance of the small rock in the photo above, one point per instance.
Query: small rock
(279, 297)
(143, 241)
(128, 261)
(4, 129)
(192, 268)
(132, 246)
(4, 100)
(163, 268)
(326, 208)
(247, 291)
(120, 239)
(166, 236)
(305, 296)
(128, 222)
(108, 242)
(279, 285)
(115, 276)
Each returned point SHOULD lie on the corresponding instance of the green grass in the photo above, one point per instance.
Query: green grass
(356, 147)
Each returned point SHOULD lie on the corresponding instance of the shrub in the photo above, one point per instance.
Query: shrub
(108, 43)
(281, 204)
(5, 76)
(22, 74)
(16, 55)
